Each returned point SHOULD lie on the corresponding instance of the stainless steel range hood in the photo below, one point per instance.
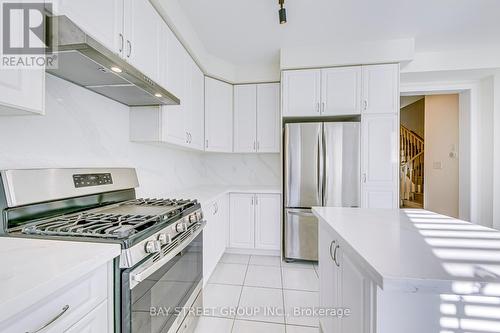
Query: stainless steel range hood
(87, 63)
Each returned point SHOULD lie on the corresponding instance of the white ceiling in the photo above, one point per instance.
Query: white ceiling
(246, 32)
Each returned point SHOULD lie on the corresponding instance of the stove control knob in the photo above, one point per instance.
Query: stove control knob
(199, 216)
(153, 246)
(193, 218)
(179, 227)
(162, 238)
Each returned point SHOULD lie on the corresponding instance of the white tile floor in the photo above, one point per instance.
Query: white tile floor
(247, 284)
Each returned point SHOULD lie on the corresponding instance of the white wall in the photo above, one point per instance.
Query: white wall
(83, 129)
(441, 138)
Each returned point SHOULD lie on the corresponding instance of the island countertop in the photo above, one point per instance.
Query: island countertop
(417, 250)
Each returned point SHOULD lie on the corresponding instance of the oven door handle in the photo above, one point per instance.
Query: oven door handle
(141, 275)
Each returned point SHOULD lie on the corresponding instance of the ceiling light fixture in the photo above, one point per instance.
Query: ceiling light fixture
(158, 95)
(282, 12)
(116, 69)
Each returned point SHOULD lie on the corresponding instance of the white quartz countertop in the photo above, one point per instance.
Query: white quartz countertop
(32, 269)
(207, 194)
(419, 251)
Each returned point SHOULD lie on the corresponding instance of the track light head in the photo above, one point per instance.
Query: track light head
(282, 12)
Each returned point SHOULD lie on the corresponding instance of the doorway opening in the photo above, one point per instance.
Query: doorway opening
(429, 166)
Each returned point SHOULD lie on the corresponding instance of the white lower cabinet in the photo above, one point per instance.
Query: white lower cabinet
(84, 305)
(343, 286)
(94, 322)
(254, 221)
(214, 234)
(241, 219)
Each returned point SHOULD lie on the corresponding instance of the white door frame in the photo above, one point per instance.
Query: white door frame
(468, 137)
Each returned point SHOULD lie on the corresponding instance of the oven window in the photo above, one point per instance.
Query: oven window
(155, 301)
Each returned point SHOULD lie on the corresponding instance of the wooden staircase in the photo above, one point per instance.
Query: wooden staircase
(412, 169)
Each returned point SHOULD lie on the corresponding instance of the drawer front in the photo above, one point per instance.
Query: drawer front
(79, 297)
(94, 322)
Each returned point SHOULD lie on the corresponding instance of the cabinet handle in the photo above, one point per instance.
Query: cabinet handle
(255, 145)
(190, 138)
(365, 105)
(363, 177)
(258, 145)
(256, 200)
(335, 256)
(50, 322)
(322, 107)
(187, 137)
(129, 45)
(215, 209)
(206, 143)
(121, 43)
(331, 246)
(317, 107)
(252, 201)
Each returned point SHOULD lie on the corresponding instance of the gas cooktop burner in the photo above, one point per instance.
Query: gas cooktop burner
(112, 222)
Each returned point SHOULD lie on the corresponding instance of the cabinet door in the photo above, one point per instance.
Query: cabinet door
(218, 116)
(301, 93)
(222, 212)
(341, 91)
(381, 89)
(379, 154)
(103, 20)
(268, 118)
(196, 124)
(142, 36)
(22, 91)
(355, 295)
(210, 240)
(245, 118)
(267, 221)
(241, 220)
(329, 278)
(175, 78)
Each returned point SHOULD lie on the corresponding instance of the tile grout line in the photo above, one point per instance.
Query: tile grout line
(283, 294)
(241, 292)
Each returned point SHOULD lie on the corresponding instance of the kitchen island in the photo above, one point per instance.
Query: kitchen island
(392, 268)
(59, 285)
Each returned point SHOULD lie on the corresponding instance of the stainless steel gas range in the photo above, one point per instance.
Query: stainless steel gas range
(161, 263)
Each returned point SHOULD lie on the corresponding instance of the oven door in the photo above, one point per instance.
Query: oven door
(157, 292)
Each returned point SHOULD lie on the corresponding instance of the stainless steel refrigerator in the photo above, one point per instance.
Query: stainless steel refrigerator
(321, 168)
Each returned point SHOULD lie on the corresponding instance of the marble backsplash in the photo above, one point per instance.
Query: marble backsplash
(83, 129)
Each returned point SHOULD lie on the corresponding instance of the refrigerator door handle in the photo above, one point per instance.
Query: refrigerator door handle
(324, 177)
(300, 212)
(320, 162)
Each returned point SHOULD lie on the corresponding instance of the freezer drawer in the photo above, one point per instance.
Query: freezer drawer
(300, 234)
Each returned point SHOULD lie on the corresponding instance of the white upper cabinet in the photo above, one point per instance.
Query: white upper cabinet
(104, 24)
(141, 31)
(268, 118)
(218, 116)
(22, 91)
(256, 118)
(301, 93)
(341, 91)
(379, 161)
(196, 120)
(245, 118)
(381, 89)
